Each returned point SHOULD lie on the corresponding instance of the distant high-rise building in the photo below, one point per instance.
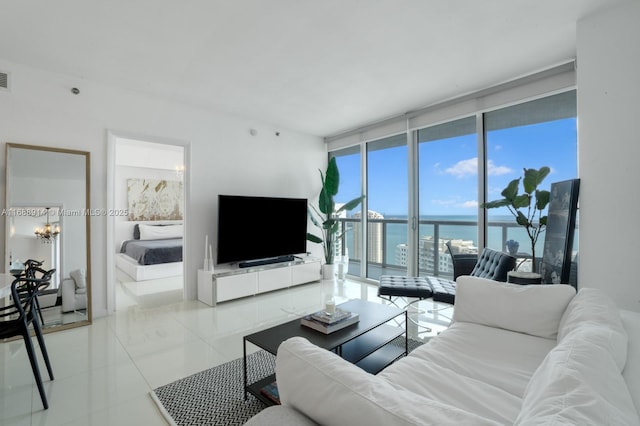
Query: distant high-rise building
(375, 249)
(426, 253)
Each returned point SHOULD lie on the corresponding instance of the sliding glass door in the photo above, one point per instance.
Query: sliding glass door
(349, 164)
(528, 135)
(448, 194)
(387, 201)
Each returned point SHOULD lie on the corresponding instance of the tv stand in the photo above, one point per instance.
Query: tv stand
(269, 261)
(229, 282)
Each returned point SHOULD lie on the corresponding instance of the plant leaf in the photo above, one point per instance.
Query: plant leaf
(335, 227)
(325, 202)
(530, 180)
(313, 218)
(521, 219)
(350, 205)
(496, 203)
(314, 238)
(511, 191)
(332, 178)
(542, 199)
(543, 173)
(533, 178)
(520, 201)
(328, 224)
(543, 221)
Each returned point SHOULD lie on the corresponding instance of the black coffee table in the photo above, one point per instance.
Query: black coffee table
(364, 344)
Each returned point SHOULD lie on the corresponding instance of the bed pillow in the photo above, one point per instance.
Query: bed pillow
(80, 278)
(156, 232)
(530, 309)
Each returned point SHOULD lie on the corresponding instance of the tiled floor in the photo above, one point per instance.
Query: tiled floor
(104, 372)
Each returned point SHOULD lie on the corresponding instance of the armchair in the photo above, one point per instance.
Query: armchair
(74, 291)
(491, 264)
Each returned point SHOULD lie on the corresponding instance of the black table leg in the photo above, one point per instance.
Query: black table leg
(406, 333)
(244, 358)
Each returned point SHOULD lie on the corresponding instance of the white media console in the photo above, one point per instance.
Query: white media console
(228, 283)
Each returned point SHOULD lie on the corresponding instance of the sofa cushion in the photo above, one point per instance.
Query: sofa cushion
(578, 383)
(530, 309)
(332, 391)
(479, 369)
(278, 415)
(592, 309)
(631, 372)
(80, 278)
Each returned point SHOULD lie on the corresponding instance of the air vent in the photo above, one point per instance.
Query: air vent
(4, 80)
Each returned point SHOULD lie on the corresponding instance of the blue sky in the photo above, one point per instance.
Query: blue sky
(448, 168)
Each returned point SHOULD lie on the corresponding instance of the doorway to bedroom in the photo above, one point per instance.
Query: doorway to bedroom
(148, 222)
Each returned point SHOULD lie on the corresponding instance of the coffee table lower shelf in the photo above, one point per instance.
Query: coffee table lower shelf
(256, 387)
(366, 344)
(372, 351)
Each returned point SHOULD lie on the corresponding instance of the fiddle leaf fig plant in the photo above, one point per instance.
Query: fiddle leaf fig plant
(325, 216)
(527, 207)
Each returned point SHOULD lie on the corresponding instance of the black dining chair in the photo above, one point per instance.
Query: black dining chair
(15, 320)
(31, 267)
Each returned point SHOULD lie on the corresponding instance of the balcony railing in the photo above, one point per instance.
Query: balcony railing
(385, 234)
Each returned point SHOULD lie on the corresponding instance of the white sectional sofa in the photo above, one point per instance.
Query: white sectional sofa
(523, 355)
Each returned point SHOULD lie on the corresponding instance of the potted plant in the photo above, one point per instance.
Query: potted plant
(325, 216)
(526, 207)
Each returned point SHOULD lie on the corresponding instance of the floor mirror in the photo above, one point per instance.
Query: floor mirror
(48, 220)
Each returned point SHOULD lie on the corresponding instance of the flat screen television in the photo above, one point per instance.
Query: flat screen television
(256, 228)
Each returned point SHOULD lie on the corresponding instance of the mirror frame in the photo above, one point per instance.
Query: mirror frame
(87, 156)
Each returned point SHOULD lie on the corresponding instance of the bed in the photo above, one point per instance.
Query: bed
(154, 252)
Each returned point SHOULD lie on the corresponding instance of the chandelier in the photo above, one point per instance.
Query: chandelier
(47, 234)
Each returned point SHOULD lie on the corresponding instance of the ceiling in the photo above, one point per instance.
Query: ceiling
(318, 67)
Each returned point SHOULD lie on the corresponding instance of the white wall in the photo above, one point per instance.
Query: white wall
(609, 152)
(225, 158)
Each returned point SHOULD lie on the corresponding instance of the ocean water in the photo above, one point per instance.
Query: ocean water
(397, 234)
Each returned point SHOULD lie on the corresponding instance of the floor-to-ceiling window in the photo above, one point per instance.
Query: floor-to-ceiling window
(424, 186)
(387, 202)
(528, 135)
(448, 194)
(349, 166)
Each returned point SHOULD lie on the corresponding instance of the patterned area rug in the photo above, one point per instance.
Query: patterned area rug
(216, 396)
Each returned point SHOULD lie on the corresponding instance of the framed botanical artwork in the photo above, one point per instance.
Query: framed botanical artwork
(154, 199)
(561, 224)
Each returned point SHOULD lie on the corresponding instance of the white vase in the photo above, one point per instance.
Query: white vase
(328, 271)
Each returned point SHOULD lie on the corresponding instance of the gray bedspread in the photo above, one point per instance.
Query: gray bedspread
(153, 252)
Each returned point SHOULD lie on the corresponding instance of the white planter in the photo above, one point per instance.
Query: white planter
(328, 271)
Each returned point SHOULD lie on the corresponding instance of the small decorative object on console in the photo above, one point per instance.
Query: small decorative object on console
(512, 246)
(311, 321)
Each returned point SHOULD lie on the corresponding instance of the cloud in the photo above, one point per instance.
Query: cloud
(443, 202)
(464, 168)
(469, 167)
(471, 204)
(493, 170)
